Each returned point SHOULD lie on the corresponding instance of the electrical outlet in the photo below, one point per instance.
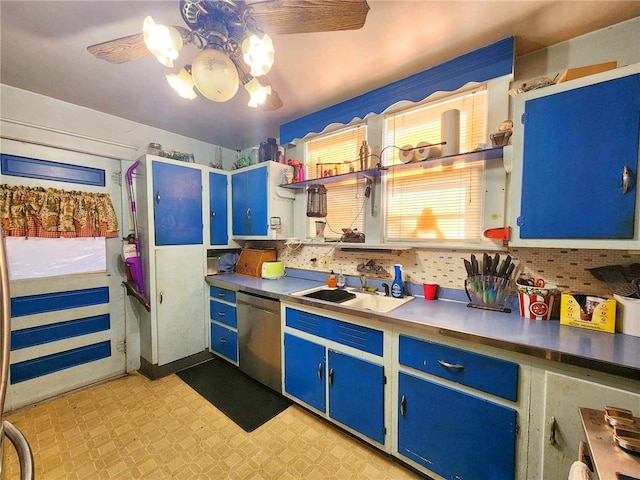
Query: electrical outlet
(325, 262)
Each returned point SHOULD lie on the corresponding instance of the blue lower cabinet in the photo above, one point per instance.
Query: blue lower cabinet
(224, 341)
(304, 371)
(455, 434)
(356, 394)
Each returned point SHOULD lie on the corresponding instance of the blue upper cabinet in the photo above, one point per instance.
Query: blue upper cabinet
(218, 202)
(177, 204)
(576, 149)
(249, 200)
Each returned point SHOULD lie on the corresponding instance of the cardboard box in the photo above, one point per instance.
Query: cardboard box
(586, 312)
(573, 73)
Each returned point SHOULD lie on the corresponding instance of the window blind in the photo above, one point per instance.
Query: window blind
(335, 154)
(441, 204)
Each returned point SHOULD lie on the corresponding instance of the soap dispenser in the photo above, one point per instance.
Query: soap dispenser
(397, 287)
(341, 281)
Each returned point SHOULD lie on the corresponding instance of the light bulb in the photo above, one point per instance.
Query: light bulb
(162, 41)
(257, 92)
(215, 75)
(258, 53)
(182, 83)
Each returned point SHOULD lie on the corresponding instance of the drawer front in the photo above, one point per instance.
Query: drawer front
(487, 374)
(224, 341)
(223, 313)
(222, 294)
(345, 333)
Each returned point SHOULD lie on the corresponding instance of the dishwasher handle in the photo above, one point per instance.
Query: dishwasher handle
(269, 305)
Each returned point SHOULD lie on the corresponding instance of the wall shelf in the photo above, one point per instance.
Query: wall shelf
(477, 156)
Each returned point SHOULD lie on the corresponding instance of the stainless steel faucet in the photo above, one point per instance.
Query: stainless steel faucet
(363, 283)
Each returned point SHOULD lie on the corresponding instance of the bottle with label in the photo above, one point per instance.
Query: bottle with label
(341, 280)
(365, 153)
(397, 287)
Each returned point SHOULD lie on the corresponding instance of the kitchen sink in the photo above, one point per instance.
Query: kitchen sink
(372, 301)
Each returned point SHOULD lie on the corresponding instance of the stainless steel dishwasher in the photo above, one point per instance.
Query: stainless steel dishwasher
(259, 340)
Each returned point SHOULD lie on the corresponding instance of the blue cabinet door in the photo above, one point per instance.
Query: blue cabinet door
(177, 204)
(249, 202)
(218, 209)
(576, 144)
(304, 371)
(356, 394)
(455, 434)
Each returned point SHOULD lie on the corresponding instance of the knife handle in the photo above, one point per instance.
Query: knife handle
(468, 267)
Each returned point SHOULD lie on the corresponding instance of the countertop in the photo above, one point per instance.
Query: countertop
(616, 354)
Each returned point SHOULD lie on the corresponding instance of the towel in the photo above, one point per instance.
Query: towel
(579, 471)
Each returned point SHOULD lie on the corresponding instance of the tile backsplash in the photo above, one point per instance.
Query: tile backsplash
(565, 268)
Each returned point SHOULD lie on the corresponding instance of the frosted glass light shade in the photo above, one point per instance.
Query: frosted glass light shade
(257, 92)
(215, 75)
(258, 53)
(162, 41)
(182, 83)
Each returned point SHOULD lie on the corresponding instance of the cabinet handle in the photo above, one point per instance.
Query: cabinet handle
(222, 294)
(161, 297)
(403, 405)
(221, 314)
(331, 376)
(627, 179)
(158, 197)
(455, 366)
(553, 425)
(320, 371)
(248, 214)
(213, 214)
(222, 340)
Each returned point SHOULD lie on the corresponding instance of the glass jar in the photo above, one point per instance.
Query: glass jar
(154, 149)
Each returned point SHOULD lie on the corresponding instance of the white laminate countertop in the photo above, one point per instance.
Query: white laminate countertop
(617, 354)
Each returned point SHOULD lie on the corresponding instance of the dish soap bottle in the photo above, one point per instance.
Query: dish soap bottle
(341, 281)
(397, 287)
(332, 280)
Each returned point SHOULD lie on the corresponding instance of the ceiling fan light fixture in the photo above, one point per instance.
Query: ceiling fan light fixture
(182, 83)
(162, 41)
(258, 53)
(215, 75)
(258, 93)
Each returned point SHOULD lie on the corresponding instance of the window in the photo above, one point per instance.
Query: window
(335, 154)
(437, 204)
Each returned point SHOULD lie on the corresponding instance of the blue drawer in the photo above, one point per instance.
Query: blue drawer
(223, 294)
(356, 336)
(224, 341)
(484, 373)
(223, 313)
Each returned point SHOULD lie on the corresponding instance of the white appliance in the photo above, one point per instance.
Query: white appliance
(20, 443)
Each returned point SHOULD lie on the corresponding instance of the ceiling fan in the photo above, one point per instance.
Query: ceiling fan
(234, 48)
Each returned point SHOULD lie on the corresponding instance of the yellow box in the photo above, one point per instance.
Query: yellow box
(574, 313)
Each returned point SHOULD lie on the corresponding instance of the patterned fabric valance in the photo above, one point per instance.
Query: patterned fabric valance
(52, 213)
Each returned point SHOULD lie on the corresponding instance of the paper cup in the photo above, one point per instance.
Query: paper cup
(430, 289)
(536, 303)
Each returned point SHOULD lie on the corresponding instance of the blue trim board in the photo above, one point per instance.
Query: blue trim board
(47, 170)
(30, 337)
(38, 367)
(481, 65)
(51, 302)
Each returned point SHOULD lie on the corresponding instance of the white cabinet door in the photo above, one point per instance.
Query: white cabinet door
(563, 429)
(179, 301)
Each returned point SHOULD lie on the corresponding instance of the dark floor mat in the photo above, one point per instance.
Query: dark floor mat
(245, 401)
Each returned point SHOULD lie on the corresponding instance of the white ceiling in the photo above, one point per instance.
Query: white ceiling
(43, 50)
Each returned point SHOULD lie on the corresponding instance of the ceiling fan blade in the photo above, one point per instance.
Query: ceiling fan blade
(305, 16)
(121, 50)
(272, 102)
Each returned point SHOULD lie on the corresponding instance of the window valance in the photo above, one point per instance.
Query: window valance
(481, 65)
(53, 213)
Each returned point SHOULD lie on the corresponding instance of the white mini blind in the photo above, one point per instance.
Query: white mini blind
(335, 154)
(438, 204)
(422, 124)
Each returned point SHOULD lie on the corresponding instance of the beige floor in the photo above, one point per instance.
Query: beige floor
(135, 428)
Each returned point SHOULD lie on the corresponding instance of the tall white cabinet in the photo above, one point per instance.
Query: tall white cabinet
(170, 199)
